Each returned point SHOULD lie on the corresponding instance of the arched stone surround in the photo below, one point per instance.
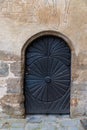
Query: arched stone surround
(73, 56)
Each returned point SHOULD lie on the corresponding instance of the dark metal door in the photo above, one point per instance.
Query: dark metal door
(47, 76)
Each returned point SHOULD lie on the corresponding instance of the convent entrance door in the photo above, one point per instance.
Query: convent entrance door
(47, 76)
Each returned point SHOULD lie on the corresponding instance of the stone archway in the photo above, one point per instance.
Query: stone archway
(51, 33)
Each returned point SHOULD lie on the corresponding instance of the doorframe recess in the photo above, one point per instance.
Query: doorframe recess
(73, 59)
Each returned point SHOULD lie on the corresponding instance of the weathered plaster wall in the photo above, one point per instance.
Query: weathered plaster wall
(21, 19)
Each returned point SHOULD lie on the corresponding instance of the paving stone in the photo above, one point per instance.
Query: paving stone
(17, 129)
(73, 128)
(4, 125)
(69, 122)
(52, 128)
(63, 128)
(34, 119)
(48, 126)
(62, 116)
(32, 126)
(52, 118)
(18, 125)
(4, 129)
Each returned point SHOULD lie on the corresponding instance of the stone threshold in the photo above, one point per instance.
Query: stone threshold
(42, 122)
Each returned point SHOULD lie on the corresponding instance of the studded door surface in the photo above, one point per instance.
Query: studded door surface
(47, 76)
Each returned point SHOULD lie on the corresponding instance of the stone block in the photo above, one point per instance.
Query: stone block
(5, 56)
(6, 125)
(67, 123)
(19, 112)
(82, 60)
(14, 85)
(17, 129)
(32, 127)
(84, 123)
(18, 124)
(13, 112)
(13, 105)
(62, 128)
(82, 78)
(3, 91)
(73, 128)
(12, 98)
(4, 69)
(34, 119)
(52, 118)
(15, 68)
(79, 87)
(49, 126)
(77, 111)
(5, 129)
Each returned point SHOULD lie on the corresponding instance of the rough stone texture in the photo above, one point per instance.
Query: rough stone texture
(4, 69)
(13, 85)
(46, 124)
(84, 123)
(22, 19)
(12, 105)
(53, 123)
(7, 56)
(82, 58)
(15, 68)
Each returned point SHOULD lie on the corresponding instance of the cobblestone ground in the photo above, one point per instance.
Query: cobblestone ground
(42, 123)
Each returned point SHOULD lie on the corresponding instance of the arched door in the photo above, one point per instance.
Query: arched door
(47, 76)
